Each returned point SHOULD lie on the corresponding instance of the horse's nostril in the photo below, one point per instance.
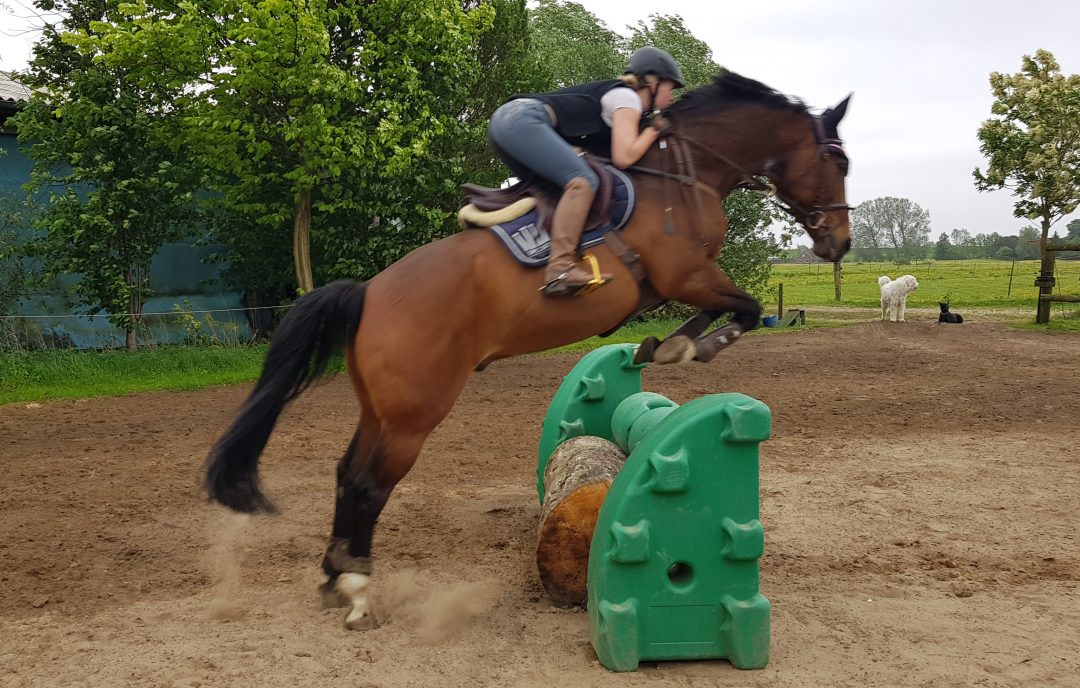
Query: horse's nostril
(847, 245)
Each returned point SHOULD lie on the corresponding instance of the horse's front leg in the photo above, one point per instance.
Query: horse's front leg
(715, 294)
(691, 329)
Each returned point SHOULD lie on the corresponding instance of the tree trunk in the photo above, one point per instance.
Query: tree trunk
(576, 481)
(302, 242)
(1045, 280)
(131, 275)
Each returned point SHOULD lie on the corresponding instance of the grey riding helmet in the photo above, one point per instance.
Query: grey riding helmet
(650, 60)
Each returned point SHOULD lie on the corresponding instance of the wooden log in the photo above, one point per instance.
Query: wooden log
(1062, 246)
(576, 480)
(1065, 298)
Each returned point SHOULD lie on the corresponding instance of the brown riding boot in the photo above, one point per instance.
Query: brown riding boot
(563, 277)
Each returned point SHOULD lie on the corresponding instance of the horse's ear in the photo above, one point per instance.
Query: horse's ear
(833, 115)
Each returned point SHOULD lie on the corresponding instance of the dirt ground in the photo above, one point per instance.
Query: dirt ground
(920, 498)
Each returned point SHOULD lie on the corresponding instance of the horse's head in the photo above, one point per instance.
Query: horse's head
(811, 183)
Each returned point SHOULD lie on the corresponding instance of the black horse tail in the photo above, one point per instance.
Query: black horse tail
(317, 327)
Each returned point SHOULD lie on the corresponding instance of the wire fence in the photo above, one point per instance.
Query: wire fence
(184, 324)
(1008, 279)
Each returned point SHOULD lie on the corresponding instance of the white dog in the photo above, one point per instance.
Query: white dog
(894, 295)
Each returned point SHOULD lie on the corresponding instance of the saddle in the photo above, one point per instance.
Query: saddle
(520, 215)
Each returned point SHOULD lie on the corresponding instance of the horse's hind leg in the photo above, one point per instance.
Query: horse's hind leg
(342, 531)
(365, 477)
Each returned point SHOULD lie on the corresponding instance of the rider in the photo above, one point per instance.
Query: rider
(535, 133)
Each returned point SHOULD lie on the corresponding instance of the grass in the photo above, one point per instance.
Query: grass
(1069, 322)
(965, 284)
(44, 375)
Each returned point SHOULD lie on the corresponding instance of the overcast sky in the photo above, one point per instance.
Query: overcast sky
(919, 71)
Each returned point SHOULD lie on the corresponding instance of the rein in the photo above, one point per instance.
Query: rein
(811, 218)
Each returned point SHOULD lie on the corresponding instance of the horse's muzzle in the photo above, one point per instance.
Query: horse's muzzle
(827, 248)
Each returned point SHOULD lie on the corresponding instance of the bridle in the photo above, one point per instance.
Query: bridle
(812, 217)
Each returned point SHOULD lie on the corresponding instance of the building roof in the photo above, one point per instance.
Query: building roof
(11, 90)
(12, 96)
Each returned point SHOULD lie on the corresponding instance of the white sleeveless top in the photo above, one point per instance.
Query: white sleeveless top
(618, 97)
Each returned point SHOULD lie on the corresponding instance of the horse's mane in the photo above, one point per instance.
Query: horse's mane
(730, 90)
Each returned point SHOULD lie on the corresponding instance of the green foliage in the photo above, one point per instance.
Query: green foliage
(205, 331)
(1073, 230)
(749, 247)
(317, 102)
(693, 55)
(890, 227)
(943, 248)
(1027, 244)
(420, 205)
(1005, 253)
(16, 216)
(572, 46)
(108, 150)
(1033, 142)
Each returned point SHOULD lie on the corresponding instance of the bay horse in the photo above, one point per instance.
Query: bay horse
(415, 332)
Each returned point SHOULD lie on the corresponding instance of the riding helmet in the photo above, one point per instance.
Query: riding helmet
(650, 60)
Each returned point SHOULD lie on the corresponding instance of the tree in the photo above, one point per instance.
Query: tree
(1033, 142)
(298, 106)
(892, 224)
(1027, 244)
(693, 55)
(943, 248)
(572, 45)
(749, 247)
(419, 205)
(961, 241)
(960, 237)
(1005, 253)
(108, 149)
(1073, 231)
(16, 216)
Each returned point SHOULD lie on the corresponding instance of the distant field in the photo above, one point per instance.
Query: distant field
(966, 284)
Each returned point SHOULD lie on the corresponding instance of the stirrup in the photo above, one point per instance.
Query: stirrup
(597, 280)
(558, 286)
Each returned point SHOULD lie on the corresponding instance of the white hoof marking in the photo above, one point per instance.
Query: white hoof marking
(353, 587)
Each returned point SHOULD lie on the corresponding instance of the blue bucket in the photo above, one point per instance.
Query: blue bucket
(770, 320)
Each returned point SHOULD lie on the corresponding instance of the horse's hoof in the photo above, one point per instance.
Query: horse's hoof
(645, 350)
(361, 622)
(709, 346)
(678, 349)
(353, 587)
(331, 598)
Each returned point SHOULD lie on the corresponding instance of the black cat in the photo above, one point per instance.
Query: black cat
(947, 317)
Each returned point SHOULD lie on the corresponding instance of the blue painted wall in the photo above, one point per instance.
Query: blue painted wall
(178, 273)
